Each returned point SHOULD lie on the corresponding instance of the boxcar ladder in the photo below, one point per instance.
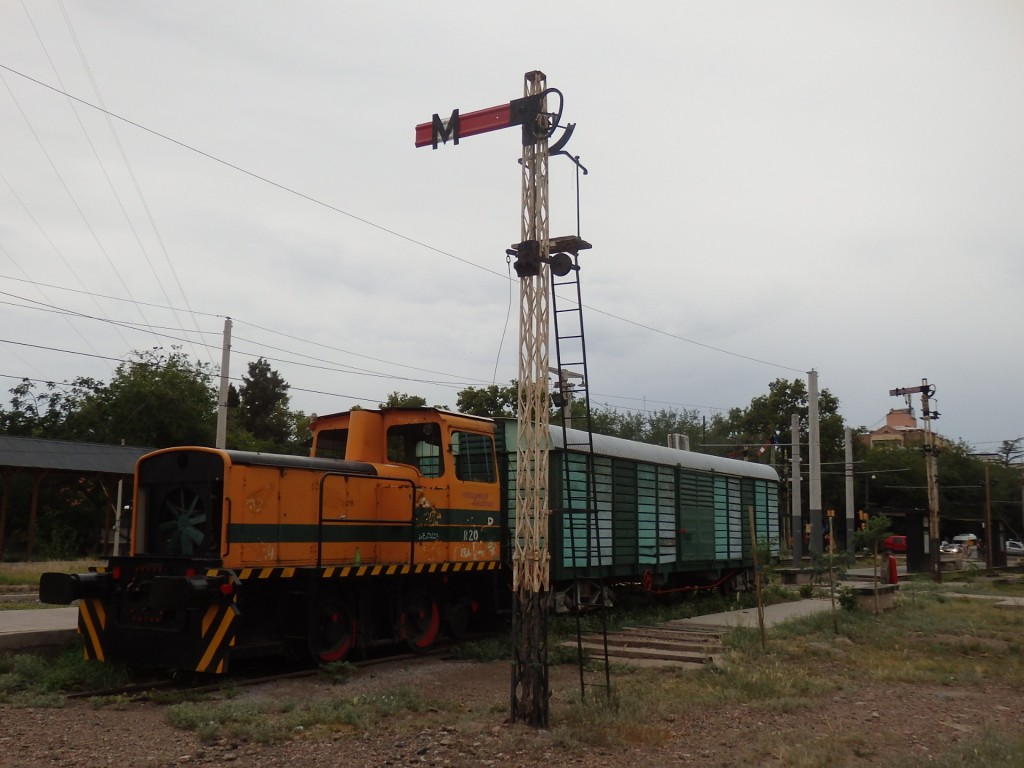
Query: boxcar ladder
(578, 516)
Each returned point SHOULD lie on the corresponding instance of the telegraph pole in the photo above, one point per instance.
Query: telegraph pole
(814, 458)
(222, 397)
(530, 556)
(931, 470)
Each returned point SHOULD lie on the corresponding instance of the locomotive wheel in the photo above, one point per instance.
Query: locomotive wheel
(333, 632)
(457, 616)
(419, 621)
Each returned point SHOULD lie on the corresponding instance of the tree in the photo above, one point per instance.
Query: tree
(263, 406)
(767, 419)
(646, 427)
(155, 399)
(1011, 452)
(491, 401)
(404, 400)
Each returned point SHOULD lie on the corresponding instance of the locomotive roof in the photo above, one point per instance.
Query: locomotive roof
(618, 447)
(300, 462)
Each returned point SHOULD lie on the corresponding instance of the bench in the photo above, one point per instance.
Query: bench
(793, 576)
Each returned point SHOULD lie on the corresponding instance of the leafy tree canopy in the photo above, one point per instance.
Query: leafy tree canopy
(492, 401)
(404, 400)
(155, 398)
(260, 410)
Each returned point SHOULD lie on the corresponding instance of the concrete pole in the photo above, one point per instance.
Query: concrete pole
(222, 401)
(851, 513)
(814, 457)
(797, 524)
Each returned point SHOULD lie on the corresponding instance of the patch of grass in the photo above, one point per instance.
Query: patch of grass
(992, 750)
(930, 639)
(486, 649)
(30, 677)
(24, 605)
(267, 721)
(28, 573)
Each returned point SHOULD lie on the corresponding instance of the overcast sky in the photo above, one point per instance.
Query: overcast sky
(773, 187)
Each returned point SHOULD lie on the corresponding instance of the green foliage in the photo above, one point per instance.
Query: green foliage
(847, 598)
(259, 418)
(155, 398)
(276, 720)
(404, 400)
(649, 427)
(33, 680)
(874, 531)
(492, 401)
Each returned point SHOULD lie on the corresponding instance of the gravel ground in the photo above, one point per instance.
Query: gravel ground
(870, 725)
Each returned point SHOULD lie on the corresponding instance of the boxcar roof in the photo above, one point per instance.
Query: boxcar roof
(617, 447)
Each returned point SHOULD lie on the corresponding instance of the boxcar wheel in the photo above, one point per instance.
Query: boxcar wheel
(419, 620)
(332, 633)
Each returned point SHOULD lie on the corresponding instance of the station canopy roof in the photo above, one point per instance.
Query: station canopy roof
(66, 456)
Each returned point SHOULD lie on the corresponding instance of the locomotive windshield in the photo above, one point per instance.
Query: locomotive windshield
(179, 504)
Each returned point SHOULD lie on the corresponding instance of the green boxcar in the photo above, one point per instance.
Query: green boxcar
(666, 517)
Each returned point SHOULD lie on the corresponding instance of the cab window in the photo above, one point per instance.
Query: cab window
(474, 457)
(330, 443)
(418, 445)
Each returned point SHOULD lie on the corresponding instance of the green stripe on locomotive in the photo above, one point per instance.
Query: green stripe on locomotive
(451, 528)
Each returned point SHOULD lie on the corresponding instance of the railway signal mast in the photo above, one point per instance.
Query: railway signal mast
(531, 557)
(931, 469)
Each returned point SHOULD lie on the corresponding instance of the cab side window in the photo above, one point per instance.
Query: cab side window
(474, 457)
(418, 445)
(330, 443)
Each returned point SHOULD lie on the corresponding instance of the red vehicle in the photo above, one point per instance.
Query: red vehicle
(895, 543)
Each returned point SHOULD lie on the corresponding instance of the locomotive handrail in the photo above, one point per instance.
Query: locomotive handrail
(352, 520)
(227, 527)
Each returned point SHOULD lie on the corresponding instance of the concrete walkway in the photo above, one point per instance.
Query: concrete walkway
(35, 627)
(773, 614)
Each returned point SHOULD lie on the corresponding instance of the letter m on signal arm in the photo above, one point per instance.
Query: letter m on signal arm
(470, 124)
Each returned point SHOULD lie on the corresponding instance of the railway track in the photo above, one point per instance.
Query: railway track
(257, 676)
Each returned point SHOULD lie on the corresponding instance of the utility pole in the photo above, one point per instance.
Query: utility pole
(530, 557)
(931, 470)
(222, 399)
(850, 512)
(797, 525)
(814, 457)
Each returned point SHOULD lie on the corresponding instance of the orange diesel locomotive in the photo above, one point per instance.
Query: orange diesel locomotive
(395, 528)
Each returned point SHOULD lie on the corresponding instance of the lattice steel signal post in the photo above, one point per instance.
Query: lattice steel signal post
(530, 558)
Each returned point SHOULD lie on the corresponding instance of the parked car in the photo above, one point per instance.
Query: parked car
(951, 548)
(895, 543)
(1014, 548)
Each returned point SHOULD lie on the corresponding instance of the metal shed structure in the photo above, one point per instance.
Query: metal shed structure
(39, 458)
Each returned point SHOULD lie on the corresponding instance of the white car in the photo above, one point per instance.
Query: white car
(1014, 548)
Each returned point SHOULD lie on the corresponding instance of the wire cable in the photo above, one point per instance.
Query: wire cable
(373, 224)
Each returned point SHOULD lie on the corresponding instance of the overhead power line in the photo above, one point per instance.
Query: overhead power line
(373, 224)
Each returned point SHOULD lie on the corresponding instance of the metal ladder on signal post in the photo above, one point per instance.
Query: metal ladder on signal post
(578, 518)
